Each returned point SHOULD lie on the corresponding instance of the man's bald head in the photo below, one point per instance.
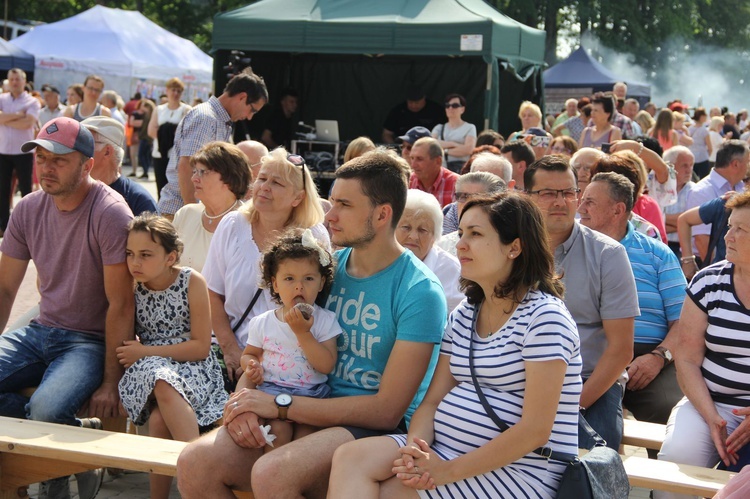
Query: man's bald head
(254, 151)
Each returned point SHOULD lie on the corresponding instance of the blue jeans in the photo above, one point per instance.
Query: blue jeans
(67, 366)
(605, 416)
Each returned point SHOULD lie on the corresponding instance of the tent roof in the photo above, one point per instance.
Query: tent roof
(393, 27)
(580, 69)
(115, 36)
(13, 57)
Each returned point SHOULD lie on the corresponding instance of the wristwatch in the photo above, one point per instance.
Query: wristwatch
(283, 401)
(665, 354)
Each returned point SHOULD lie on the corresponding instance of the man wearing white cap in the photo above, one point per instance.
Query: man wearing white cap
(75, 231)
(109, 136)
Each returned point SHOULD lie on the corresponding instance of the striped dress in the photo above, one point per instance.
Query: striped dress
(540, 329)
(726, 365)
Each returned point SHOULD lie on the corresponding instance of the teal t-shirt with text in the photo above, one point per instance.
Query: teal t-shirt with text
(404, 301)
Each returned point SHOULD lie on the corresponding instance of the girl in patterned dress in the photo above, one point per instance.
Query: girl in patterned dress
(171, 377)
(291, 349)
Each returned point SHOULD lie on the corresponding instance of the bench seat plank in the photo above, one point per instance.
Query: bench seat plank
(643, 434)
(675, 477)
(81, 445)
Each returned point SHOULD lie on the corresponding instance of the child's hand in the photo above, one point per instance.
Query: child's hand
(297, 321)
(130, 352)
(254, 372)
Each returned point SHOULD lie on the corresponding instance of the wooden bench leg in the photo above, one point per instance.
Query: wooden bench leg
(18, 470)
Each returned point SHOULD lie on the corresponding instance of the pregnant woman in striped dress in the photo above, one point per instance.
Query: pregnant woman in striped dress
(527, 363)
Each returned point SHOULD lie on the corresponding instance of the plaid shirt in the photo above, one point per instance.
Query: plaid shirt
(443, 187)
(204, 123)
(625, 125)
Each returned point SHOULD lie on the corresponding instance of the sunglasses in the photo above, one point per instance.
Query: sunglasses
(298, 160)
(453, 105)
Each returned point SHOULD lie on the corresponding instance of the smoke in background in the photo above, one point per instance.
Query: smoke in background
(699, 75)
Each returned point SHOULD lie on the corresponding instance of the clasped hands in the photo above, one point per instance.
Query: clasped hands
(419, 467)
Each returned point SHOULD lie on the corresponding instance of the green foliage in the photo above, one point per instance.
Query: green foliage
(191, 19)
(646, 29)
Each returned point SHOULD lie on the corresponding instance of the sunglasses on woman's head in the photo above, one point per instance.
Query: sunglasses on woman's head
(298, 160)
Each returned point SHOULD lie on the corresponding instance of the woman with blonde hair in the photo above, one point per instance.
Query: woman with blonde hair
(283, 196)
(530, 116)
(358, 147)
(645, 120)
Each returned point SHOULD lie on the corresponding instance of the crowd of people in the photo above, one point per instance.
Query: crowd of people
(365, 341)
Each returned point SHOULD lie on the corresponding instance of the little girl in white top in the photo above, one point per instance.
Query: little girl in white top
(291, 349)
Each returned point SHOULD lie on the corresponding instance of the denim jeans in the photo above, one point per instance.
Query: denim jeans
(605, 416)
(67, 366)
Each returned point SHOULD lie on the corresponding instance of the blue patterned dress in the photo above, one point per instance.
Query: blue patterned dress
(163, 318)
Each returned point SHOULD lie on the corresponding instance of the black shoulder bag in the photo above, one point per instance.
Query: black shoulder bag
(599, 474)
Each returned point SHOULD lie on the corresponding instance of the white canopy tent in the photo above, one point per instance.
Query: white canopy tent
(130, 52)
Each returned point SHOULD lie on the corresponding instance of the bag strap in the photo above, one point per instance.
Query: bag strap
(247, 310)
(545, 452)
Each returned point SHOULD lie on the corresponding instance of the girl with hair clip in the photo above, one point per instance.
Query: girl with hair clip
(290, 349)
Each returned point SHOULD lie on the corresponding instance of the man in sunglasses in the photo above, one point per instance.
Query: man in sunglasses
(244, 95)
(601, 294)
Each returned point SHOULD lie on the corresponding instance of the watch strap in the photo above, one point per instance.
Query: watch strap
(283, 412)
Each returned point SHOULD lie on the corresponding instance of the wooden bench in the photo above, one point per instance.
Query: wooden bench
(32, 451)
(675, 477)
(642, 434)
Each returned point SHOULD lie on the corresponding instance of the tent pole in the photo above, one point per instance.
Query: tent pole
(5, 20)
(488, 89)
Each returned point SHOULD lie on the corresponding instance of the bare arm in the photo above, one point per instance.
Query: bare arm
(423, 421)
(153, 124)
(458, 149)
(684, 138)
(68, 113)
(382, 410)
(388, 137)
(8, 118)
(118, 286)
(689, 356)
(12, 271)
(544, 382)
(23, 123)
(184, 176)
(652, 160)
(267, 139)
(224, 334)
(616, 356)
(194, 349)
(646, 367)
(670, 222)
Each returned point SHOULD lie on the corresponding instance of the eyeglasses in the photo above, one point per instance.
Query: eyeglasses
(462, 197)
(298, 160)
(454, 105)
(406, 146)
(560, 149)
(201, 172)
(252, 108)
(550, 195)
(95, 90)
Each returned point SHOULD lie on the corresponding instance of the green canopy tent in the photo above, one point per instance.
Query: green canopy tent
(351, 60)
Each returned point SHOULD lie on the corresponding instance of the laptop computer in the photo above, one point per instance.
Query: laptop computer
(327, 130)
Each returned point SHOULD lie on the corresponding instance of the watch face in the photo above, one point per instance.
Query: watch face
(668, 355)
(283, 400)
